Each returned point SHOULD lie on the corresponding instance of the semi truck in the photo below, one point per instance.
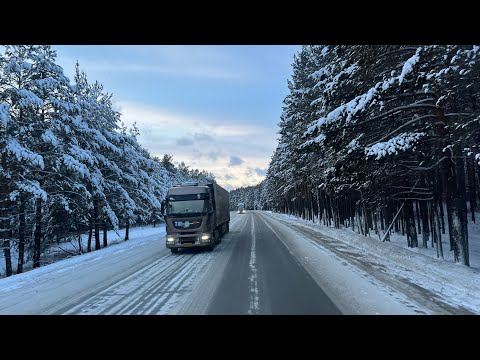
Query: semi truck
(196, 215)
(241, 208)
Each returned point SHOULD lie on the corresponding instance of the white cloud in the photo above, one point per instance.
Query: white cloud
(212, 142)
(182, 124)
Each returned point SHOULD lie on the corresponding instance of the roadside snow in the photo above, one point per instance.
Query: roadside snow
(61, 251)
(449, 283)
(39, 290)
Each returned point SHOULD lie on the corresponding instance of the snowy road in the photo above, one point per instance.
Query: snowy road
(241, 276)
(264, 278)
(266, 264)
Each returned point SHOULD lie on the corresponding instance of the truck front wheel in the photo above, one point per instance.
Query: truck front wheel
(174, 250)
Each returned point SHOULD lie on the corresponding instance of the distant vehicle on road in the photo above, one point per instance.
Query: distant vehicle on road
(196, 215)
(241, 208)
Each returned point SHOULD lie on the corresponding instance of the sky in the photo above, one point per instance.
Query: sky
(216, 108)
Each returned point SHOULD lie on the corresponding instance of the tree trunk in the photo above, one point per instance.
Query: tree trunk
(79, 237)
(398, 222)
(90, 228)
(439, 233)
(370, 219)
(388, 220)
(442, 216)
(127, 229)
(432, 224)
(365, 221)
(312, 205)
(21, 236)
(382, 219)
(105, 243)
(5, 220)
(96, 223)
(472, 186)
(477, 179)
(376, 225)
(417, 212)
(38, 233)
(457, 208)
(6, 249)
(7, 254)
(424, 218)
(402, 222)
(411, 231)
(358, 221)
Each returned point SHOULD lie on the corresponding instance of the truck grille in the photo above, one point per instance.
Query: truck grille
(187, 240)
(186, 224)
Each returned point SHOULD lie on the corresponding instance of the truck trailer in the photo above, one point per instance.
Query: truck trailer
(196, 215)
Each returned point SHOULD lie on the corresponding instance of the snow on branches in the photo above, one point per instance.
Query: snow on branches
(402, 142)
(22, 153)
(4, 115)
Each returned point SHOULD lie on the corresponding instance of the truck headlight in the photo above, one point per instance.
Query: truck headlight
(170, 239)
(205, 237)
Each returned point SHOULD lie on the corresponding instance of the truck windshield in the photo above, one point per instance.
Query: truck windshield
(186, 207)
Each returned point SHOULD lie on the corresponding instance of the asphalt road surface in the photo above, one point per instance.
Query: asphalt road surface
(262, 277)
(250, 272)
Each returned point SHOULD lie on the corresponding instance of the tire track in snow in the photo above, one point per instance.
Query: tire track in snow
(128, 292)
(198, 300)
(160, 287)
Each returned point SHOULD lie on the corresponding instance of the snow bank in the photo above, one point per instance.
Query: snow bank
(452, 283)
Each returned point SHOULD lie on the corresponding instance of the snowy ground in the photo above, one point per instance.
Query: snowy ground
(473, 240)
(140, 276)
(69, 249)
(448, 282)
(50, 286)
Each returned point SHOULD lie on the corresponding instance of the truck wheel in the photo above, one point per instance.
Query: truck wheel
(174, 250)
(216, 233)
(209, 248)
(228, 227)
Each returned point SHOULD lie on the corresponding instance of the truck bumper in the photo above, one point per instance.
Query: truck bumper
(188, 241)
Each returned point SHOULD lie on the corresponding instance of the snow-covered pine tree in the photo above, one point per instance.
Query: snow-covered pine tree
(22, 127)
(383, 127)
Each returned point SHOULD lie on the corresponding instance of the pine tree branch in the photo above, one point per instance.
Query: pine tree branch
(413, 192)
(413, 121)
(413, 198)
(421, 168)
(398, 109)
